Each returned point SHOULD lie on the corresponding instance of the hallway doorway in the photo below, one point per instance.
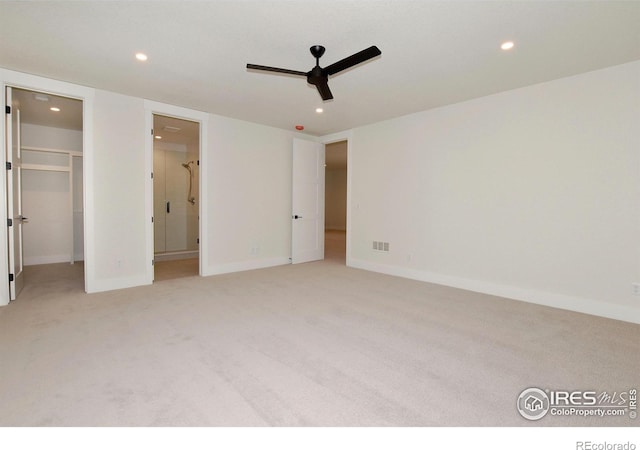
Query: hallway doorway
(335, 225)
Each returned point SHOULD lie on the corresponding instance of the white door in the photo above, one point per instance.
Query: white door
(14, 199)
(307, 216)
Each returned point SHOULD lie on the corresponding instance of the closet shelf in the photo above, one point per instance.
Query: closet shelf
(45, 167)
(50, 150)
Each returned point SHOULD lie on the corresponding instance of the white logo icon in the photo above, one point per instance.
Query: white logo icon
(533, 404)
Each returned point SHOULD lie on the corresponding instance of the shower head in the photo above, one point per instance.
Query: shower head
(187, 166)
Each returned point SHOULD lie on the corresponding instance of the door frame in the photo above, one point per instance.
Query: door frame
(35, 83)
(202, 118)
(348, 137)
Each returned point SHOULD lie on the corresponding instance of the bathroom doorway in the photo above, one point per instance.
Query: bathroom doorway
(176, 199)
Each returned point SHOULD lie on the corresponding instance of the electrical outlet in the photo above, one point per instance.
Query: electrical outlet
(635, 288)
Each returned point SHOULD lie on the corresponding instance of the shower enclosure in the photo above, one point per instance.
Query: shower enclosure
(175, 196)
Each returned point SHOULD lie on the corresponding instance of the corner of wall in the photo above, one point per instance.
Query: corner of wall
(566, 302)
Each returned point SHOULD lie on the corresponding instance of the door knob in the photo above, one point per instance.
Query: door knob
(297, 217)
(23, 219)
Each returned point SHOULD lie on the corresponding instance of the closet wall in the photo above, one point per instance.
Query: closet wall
(52, 194)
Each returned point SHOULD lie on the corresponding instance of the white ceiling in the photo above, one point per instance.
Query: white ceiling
(433, 52)
(175, 131)
(35, 108)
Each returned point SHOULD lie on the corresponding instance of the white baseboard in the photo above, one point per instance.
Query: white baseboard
(47, 259)
(173, 256)
(577, 304)
(50, 259)
(118, 283)
(244, 265)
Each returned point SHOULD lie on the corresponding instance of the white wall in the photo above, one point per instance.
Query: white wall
(119, 191)
(51, 137)
(532, 194)
(249, 181)
(45, 201)
(248, 190)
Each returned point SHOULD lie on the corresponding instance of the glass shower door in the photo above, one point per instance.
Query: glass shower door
(170, 191)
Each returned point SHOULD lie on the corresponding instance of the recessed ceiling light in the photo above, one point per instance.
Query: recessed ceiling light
(507, 45)
(319, 110)
(53, 108)
(141, 57)
(158, 137)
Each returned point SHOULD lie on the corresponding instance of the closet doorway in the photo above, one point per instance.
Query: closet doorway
(176, 199)
(46, 176)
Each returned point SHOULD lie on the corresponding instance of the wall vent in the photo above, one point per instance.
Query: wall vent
(381, 246)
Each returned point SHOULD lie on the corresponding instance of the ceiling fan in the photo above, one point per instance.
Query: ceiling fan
(319, 76)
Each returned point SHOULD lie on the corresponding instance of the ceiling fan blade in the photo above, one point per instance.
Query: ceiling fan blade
(325, 92)
(276, 69)
(352, 60)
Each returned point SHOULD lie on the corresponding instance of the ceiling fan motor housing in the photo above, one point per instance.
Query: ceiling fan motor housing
(319, 76)
(316, 76)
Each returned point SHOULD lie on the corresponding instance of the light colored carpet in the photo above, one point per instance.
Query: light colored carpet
(316, 344)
